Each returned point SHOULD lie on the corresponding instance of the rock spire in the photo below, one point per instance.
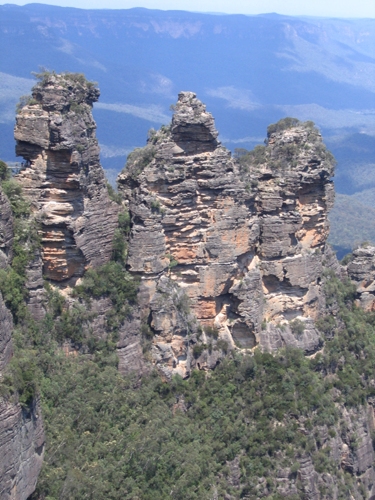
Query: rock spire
(243, 239)
(63, 178)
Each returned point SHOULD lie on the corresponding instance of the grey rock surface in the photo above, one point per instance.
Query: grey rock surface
(21, 449)
(6, 230)
(6, 327)
(21, 430)
(63, 178)
(244, 241)
(361, 270)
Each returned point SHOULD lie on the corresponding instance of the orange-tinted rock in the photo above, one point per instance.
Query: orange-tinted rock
(63, 177)
(243, 246)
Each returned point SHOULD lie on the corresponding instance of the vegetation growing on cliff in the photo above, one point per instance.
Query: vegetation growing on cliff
(118, 438)
(44, 76)
(281, 155)
(25, 244)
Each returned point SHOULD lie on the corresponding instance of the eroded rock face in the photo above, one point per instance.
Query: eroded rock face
(6, 231)
(21, 449)
(6, 324)
(63, 178)
(21, 430)
(244, 242)
(361, 270)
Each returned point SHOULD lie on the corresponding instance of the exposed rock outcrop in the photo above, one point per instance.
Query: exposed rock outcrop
(361, 270)
(63, 178)
(21, 449)
(21, 430)
(6, 230)
(244, 240)
(6, 324)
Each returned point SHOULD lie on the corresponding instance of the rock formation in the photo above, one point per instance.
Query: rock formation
(63, 178)
(6, 230)
(6, 243)
(21, 449)
(361, 271)
(244, 241)
(21, 429)
(229, 251)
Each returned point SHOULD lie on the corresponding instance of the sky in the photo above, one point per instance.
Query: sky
(321, 8)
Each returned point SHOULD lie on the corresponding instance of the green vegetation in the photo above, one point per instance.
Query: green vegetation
(285, 124)
(4, 171)
(112, 281)
(156, 136)
(110, 437)
(138, 160)
(25, 244)
(116, 438)
(114, 195)
(172, 261)
(25, 100)
(297, 326)
(119, 245)
(256, 157)
(79, 108)
(45, 75)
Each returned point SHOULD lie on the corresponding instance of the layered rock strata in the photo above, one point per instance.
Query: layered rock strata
(6, 244)
(21, 449)
(244, 241)
(62, 176)
(21, 430)
(6, 231)
(361, 271)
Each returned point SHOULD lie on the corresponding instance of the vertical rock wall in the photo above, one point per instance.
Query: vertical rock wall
(21, 430)
(6, 231)
(244, 242)
(361, 270)
(63, 177)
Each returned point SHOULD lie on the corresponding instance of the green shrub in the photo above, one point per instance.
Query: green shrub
(119, 244)
(25, 100)
(212, 331)
(138, 160)
(4, 172)
(297, 326)
(13, 190)
(114, 195)
(198, 349)
(112, 281)
(172, 261)
(14, 292)
(281, 125)
(346, 259)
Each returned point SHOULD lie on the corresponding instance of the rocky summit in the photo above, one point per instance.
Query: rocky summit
(63, 178)
(240, 241)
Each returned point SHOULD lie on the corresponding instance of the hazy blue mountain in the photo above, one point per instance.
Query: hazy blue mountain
(249, 70)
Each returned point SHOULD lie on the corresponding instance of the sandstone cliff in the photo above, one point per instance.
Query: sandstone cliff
(62, 176)
(243, 241)
(361, 271)
(21, 429)
(229, 252)
(6, 231)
